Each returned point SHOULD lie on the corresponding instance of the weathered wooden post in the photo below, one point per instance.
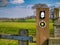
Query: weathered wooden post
(22, 37)
(23, 32)
(57, 22)
(42, 24)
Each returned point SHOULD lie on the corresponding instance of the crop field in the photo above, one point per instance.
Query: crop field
(14, 27)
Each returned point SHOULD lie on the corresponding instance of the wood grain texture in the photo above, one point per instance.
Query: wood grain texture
(42, 34)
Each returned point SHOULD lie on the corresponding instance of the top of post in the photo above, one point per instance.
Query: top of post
(40, 6)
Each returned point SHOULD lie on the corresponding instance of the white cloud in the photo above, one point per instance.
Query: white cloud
(49, 5)
(29, 6)
(3, 2)
(58, 3)
(16, 12)
(17, 1)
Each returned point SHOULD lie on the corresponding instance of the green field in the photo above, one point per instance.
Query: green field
(14, 27)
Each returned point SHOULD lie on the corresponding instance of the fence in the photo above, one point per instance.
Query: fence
(54, 41)
(22, 37)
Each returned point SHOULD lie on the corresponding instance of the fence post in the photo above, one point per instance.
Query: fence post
(23, 32)
(42, 25)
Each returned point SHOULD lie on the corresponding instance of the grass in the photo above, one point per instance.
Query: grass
(14, 27)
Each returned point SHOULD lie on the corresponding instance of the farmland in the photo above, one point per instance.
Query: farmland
(14, 27)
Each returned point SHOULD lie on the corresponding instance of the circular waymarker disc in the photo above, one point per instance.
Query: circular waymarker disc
(42, 24)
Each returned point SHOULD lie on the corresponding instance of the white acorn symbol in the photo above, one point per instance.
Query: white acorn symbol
(42, 14)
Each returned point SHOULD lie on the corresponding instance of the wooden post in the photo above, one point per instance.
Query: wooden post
(42, 24)
(57, 22)
(23, 32)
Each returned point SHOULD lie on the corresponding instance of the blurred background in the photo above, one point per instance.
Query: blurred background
(21, 14)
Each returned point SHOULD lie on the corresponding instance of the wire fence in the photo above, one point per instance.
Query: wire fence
(54, 41)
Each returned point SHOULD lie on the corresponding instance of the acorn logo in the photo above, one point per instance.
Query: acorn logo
(42, 14)
(42, 24)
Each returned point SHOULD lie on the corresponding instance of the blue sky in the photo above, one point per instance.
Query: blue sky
(22, 8)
